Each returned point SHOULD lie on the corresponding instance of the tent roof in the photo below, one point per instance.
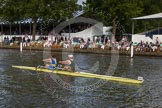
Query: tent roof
(153, 16)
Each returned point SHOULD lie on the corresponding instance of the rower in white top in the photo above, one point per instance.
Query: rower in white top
(68, 64)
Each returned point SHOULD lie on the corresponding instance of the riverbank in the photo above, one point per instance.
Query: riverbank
(88, 51)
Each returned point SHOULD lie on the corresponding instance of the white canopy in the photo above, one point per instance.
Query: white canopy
(153, 16)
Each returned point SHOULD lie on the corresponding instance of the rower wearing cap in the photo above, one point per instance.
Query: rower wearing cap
(69, 63)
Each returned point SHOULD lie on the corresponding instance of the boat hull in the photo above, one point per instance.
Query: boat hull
(82, 74)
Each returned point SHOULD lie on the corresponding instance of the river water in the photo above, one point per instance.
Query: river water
(31, 89)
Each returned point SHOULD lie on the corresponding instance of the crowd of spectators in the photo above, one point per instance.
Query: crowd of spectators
(58, 41)
(98, 42)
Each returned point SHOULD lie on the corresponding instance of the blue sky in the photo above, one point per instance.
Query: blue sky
(80, 1)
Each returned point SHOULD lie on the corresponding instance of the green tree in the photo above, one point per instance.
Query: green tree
(149, 7)
(113, 12)
(124, 10)
(14, 10)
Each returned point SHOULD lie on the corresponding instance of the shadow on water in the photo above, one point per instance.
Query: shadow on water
(30, 89)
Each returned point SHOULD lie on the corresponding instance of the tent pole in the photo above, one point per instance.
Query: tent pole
(158, 28)
(1, 28)
(20, 28)
(145, 28)
(30, 28)
(53, 28)
(10, 29)
(132, 27)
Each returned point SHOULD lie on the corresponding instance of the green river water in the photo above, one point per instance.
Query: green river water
(31, 89)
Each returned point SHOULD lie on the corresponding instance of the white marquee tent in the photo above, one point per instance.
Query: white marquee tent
(153, 16)
(147, 17)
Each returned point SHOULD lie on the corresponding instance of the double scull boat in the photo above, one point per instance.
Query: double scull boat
(83, 74)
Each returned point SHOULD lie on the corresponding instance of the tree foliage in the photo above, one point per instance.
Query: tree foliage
(113, 12)
(118, 13)
(149, 7)
(14, 10)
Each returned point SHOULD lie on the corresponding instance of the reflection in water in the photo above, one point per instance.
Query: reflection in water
(131, 62)
(23, 88)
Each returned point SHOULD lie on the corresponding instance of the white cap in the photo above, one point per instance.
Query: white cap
(70, 56)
